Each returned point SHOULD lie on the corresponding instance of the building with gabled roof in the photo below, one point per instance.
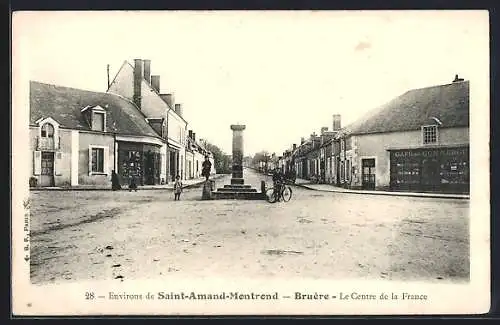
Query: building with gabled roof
(75, 135)
(419, 141)
(136, 83)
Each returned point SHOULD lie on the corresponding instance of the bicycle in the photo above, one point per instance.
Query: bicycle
(284, 192)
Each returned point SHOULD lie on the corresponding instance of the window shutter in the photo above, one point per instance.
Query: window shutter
(90, 161)
(37, 162)
(58, 164)
(106, 160)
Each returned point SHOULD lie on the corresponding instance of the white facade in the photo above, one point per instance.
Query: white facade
(153, 106)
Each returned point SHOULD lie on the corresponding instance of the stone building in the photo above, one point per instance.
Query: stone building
(418, 141)
(75, 136)
(78, 137)
(135, 83)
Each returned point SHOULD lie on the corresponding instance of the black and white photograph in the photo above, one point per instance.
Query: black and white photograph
(259, 162)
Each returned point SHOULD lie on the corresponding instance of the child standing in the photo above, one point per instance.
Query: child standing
(177, 188)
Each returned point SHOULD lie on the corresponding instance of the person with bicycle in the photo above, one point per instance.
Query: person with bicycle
(278, 180)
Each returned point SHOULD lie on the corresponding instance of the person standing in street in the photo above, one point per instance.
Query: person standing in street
(206, 168)
(177, 188)
(115, 181)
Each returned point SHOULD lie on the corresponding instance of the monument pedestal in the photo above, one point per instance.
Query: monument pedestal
(237, 181)
(238, 189)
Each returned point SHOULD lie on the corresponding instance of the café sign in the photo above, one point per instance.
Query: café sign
(425, 153)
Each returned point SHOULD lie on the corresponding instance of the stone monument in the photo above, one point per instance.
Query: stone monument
(238, 189)
(237, 176)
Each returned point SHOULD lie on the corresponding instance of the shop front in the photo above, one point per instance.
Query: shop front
(139, 160)
(442, 169)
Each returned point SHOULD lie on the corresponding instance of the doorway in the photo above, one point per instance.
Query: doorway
(368, 174)
(47, 172)
(149, 168)
(173, 167)
(431, 179)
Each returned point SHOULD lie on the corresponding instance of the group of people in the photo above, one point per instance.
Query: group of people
(178, 186)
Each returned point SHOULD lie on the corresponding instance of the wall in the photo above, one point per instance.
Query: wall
(198, 157)
(376, 145)
(123, 84)
(63, 171)
(176, 128)
(164, 164)
(33, 133)
(85, 140)
(189, 160)
(151, 103)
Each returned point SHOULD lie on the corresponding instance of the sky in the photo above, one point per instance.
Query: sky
(283, 74)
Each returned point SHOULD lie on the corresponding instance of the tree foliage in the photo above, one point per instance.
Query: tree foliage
(260, 156)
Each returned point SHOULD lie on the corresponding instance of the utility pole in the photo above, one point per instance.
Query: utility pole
(107, 68)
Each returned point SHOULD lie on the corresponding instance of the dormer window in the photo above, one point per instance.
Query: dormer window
(98, 121)
(429, 134)
(96, 117)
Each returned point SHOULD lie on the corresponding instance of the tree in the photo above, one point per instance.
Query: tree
(261, 156)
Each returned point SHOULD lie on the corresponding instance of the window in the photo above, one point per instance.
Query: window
(98, 121)
(97, 160)
(429, 134)
(47, 131)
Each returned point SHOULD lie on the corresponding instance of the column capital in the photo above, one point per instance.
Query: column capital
(238, 127)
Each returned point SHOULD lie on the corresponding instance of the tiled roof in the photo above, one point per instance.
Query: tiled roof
(448, 103)
(64, 105)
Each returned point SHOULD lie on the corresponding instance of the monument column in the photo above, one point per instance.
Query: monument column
(237, 176)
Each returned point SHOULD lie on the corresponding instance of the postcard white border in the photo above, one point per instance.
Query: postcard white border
(69, 299)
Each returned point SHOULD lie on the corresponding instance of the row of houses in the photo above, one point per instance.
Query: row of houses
(78, 137)
(418, 141)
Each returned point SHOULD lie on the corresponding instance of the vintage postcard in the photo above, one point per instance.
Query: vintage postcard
(250, 163)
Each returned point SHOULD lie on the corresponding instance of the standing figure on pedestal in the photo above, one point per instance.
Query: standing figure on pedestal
(206, 168)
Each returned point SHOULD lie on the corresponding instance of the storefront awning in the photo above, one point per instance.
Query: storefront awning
(174, 145)
(148, 140)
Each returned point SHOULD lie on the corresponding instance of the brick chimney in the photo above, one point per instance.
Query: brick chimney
(194, 136)
(302, 140)
(155, 83)
(178, 109)
(147, 70)
(336, 122)
(294, 146)
(169, 99)
(190, 133)
(138, 76)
